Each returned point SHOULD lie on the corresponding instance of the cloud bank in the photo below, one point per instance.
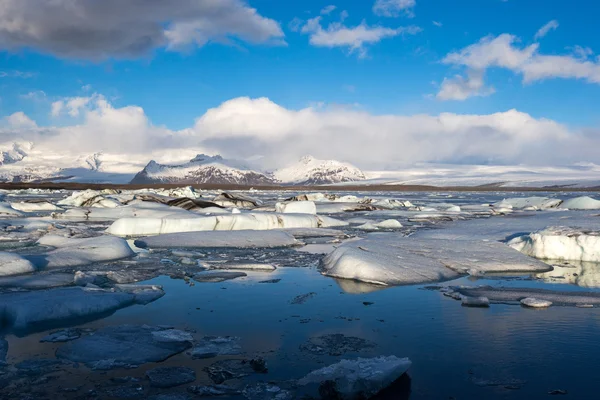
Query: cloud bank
(89, 29)
(246, 128)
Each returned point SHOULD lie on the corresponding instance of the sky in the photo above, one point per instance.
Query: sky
(375, 82)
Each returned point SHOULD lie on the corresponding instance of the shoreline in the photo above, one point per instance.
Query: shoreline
(296, 188)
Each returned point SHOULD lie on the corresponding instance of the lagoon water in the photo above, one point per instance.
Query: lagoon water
(505, 351)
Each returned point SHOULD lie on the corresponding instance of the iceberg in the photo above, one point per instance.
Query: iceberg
(581, 203)
(226, 222)
(219, 239)
(7, 211)
(532, 203)
(77, 252)
(560, 243)
(364, 377)
(296, 207)
(34, 206)
(390, 259)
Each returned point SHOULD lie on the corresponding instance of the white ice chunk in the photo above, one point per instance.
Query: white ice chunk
(142, 209)
(560, 243)
(581, 203)
(389, 224)
(390, 259)
(535, 303)
(363, 376)
(76, 252)
(296, 207)
(238, 239)
(34, 206)
(538, 203)
(368, 226)
(14, 264)
(228, 222)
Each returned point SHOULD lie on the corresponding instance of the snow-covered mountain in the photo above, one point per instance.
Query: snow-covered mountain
(24, 162)
(310, 171)
(202, 169)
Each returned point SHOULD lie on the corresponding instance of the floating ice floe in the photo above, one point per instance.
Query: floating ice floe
(581, 203)
(121, 346)
(374, 226)
(64, 335)
(34, 206)
(36, 281)
(339, 207)
(301, 233)
(141, 209)
(14, 264)
(244, 266)
(266, 391)
(21, 310)
(560, 243)
(212, 346)
(168, 377)
(364, 376)
(228, 222)
(532, 203)
(475, 301)
(78, 252)
(515, 295)
(535, 303)
(218, 276)
(296, 207)
(390, 259)
(7, 211)
(219, 239)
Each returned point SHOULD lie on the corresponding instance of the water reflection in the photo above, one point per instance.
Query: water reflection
(356, 287)
(580, 273)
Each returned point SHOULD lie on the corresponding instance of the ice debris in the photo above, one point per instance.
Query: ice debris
(122, 346)
(361, 377)
(515, 295)
(535, 303)
(212, 346)
(296, 207)
(168, 377)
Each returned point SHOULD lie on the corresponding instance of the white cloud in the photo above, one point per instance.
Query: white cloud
(543, 31)
(295, 24)
(115, 28)
(244, 127)
(394, 8)
(354, 38)
(461, 88)
(72, 105)
(16, 74)
(582, 52)
(438, 24)
(504, 52)
(328, 10)
(20, 120)
(38, 95)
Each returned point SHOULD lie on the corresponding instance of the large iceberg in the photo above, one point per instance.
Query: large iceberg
(532, 203)
(390, 259)
(238, 239)
(360, 378)
(581, 203)
(560, 243)
(228, 222)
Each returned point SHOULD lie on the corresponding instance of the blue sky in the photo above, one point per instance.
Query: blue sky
(402, 74)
